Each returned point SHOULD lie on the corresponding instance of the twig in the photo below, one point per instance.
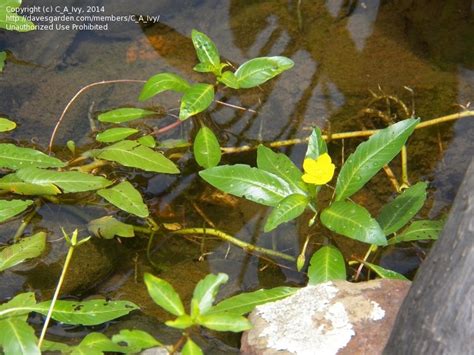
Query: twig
(392, 178)
(26, 221)
(405, 182)
(235, 106)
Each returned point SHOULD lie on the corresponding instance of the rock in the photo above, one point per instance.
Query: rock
(334, 317)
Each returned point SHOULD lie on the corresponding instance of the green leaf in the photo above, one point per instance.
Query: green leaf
(224, 322)
(182, 322)
(164, 294)
(147, 141)
(282, 166)
(371, 156)
(229, 79)
(17, 337)
(173, 143)
(12, 183)
(287, 209)
(163, 82)
(26, 248)
(196, 99)
(203, 68)
(207, 151)
(254, 184)
(3, 59)
(9, 209)
(134, 155)
(91, 312)
(136, 340)
(395, 214)
(5, 124)
(245, 302)
(206, 290)
(353, 221)
(191, 348)
(419, 230)
(121, 115)
(49, 345)
(108, 227)
(316, 144)
(13, 157)
(384, 273)
(10, 20)
(115, 134)
(67, 181)
(259, 70)
(95, 344)
(206, 50)
(19, 306)
(127, 198)
(326, 264)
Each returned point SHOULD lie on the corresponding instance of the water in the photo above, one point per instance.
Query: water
(421, 54)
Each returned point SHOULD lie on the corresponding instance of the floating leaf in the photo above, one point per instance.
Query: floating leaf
(13, 183)
(326, 264)
(259, 70)
(191, 348)
(353, 221)
(147, 141)
(90, 312)
(196, 99)
(13, 157)
(164, 294)
(206, 51)
(121, 115)
(135, 155)
(371, 156)
(10, 20)
(254, 184)
(5, 124)
(17, 337)
(207, 151)
(68, 181)
(26, 248)
(163, 82)
(224, 322)
(206, 290)
(395, 214)
(282, 166)
(286, 210)
(316, 144)
(19, 306)
(135, 340)
(127, 198)
(419, 230)
(384, 273)
(9, 209)
(229, 79)
(115, 134)
(245, 302)
(108, 227)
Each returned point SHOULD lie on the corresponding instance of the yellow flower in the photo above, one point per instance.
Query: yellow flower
(318, 171)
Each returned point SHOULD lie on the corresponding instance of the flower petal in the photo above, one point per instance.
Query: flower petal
(324, 159)
(310, 166)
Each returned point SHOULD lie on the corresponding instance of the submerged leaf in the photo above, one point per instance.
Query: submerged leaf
(108, 227)
(126, 114)
(9, 209)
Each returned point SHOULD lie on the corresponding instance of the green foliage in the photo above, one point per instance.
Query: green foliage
(164, 295)
(5, 124)
(9, 209)
(115, 134)
(371, 156)
(67, 181)
(134, 155)
(125, 197)
(26, 248)
(163, 82)
(326, 264)
(126, 114)
(207, 53)
(135, 340)
(384, 273)
(3, 59)
(14, 184)
(147, 141)
(108, 227)
(10, 20)
(353, 221)
(259, 70)
(206, 290)
(419, 230)
(224, 322)
(207, 151)
(395, 214)
(191, 348)
(196, 99)
(316, 144)
(286, 210)
(13, 157)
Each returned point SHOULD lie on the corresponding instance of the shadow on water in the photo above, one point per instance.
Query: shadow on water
(343, 51)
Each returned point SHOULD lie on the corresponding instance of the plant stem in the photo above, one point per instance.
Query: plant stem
(405, 182)
(244, 245)
(26, 221)
(391, 176)
(361, 265)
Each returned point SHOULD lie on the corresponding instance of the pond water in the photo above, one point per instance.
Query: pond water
(345, 52)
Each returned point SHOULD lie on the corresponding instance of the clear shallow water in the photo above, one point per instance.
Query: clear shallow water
(341, 53)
